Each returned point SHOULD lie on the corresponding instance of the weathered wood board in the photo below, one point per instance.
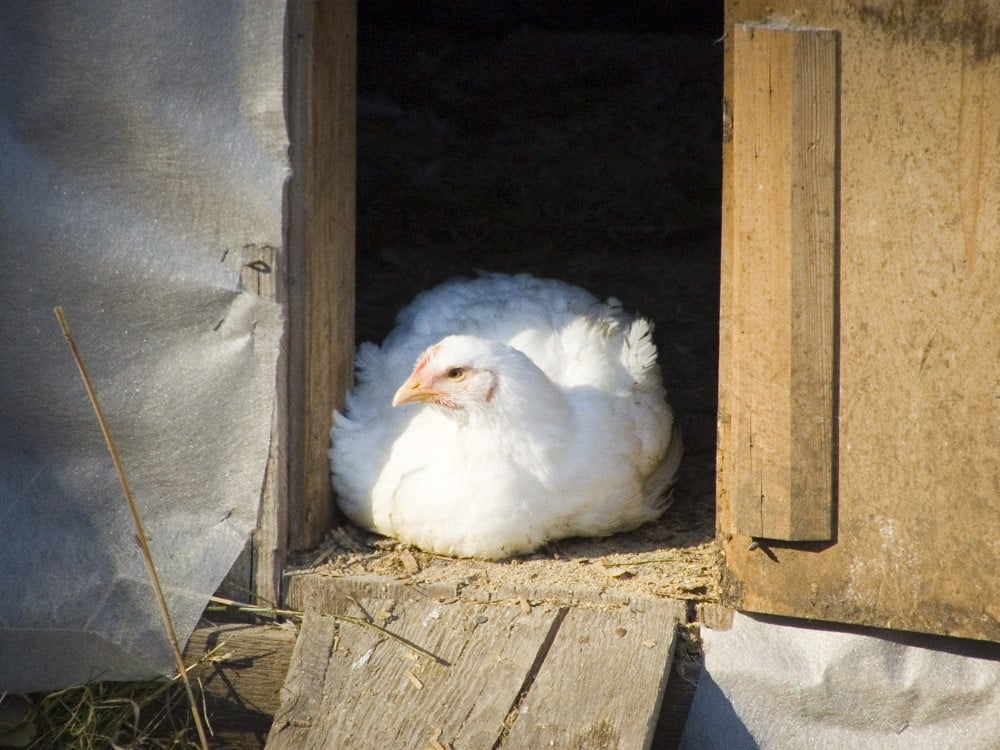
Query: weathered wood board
(329, 594)
(600, 684)
(545, 667)
(349, 686)
(241, 670)
(916, 430)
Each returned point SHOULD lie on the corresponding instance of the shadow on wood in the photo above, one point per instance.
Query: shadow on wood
(241, 672)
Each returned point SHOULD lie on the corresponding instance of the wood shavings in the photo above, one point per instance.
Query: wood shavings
(436, 743)
(410, 563)
(621, 564)
(614, 571)
(414, 680)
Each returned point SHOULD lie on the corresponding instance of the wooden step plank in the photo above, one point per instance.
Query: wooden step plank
(241, 669)
(601, 683)
(302, 696)
(350, 687)
(242, 662)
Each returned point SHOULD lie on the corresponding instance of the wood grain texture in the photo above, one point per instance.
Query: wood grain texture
(784, 130)
(302, 704)
(919, 307)
(349, 687)
(241, 669)
(321, 220)
(601, 683)
(326, 594)
(544, 659)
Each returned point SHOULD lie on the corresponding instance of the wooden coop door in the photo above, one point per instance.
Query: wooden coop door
(859, 384)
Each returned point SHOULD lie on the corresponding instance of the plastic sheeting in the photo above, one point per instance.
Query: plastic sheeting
(770, 684)
(142, 145)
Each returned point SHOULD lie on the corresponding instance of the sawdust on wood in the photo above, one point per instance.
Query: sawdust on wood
(662, 559)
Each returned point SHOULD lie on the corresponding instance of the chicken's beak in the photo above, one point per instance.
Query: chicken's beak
(412, 391)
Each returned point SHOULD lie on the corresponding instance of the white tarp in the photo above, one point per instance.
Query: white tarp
(142, 146)
(768, 683)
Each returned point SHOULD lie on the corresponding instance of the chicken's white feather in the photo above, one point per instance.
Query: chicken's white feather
(555, 426)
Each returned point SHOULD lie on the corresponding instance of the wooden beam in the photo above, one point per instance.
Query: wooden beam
(322, 72)
(782, 277)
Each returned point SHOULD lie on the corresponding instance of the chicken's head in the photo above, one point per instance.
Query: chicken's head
(456, 373)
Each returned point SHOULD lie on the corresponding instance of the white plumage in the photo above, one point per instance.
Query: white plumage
(534, 412)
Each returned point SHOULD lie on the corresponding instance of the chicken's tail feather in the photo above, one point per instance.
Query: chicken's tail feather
(638, 353)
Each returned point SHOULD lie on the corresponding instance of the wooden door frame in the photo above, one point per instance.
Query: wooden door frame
(313, 280)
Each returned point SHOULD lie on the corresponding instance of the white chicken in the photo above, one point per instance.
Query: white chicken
(533, 413)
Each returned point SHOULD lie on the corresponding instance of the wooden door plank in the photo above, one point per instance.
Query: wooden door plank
(784, 203)
(601, 683)
(350, 687)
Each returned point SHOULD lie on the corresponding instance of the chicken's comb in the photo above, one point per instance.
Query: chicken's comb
(425, 357)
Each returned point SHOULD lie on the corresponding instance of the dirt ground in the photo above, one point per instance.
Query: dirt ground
(593, 157)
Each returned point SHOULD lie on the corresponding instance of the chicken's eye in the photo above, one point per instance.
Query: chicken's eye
(455, 373)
